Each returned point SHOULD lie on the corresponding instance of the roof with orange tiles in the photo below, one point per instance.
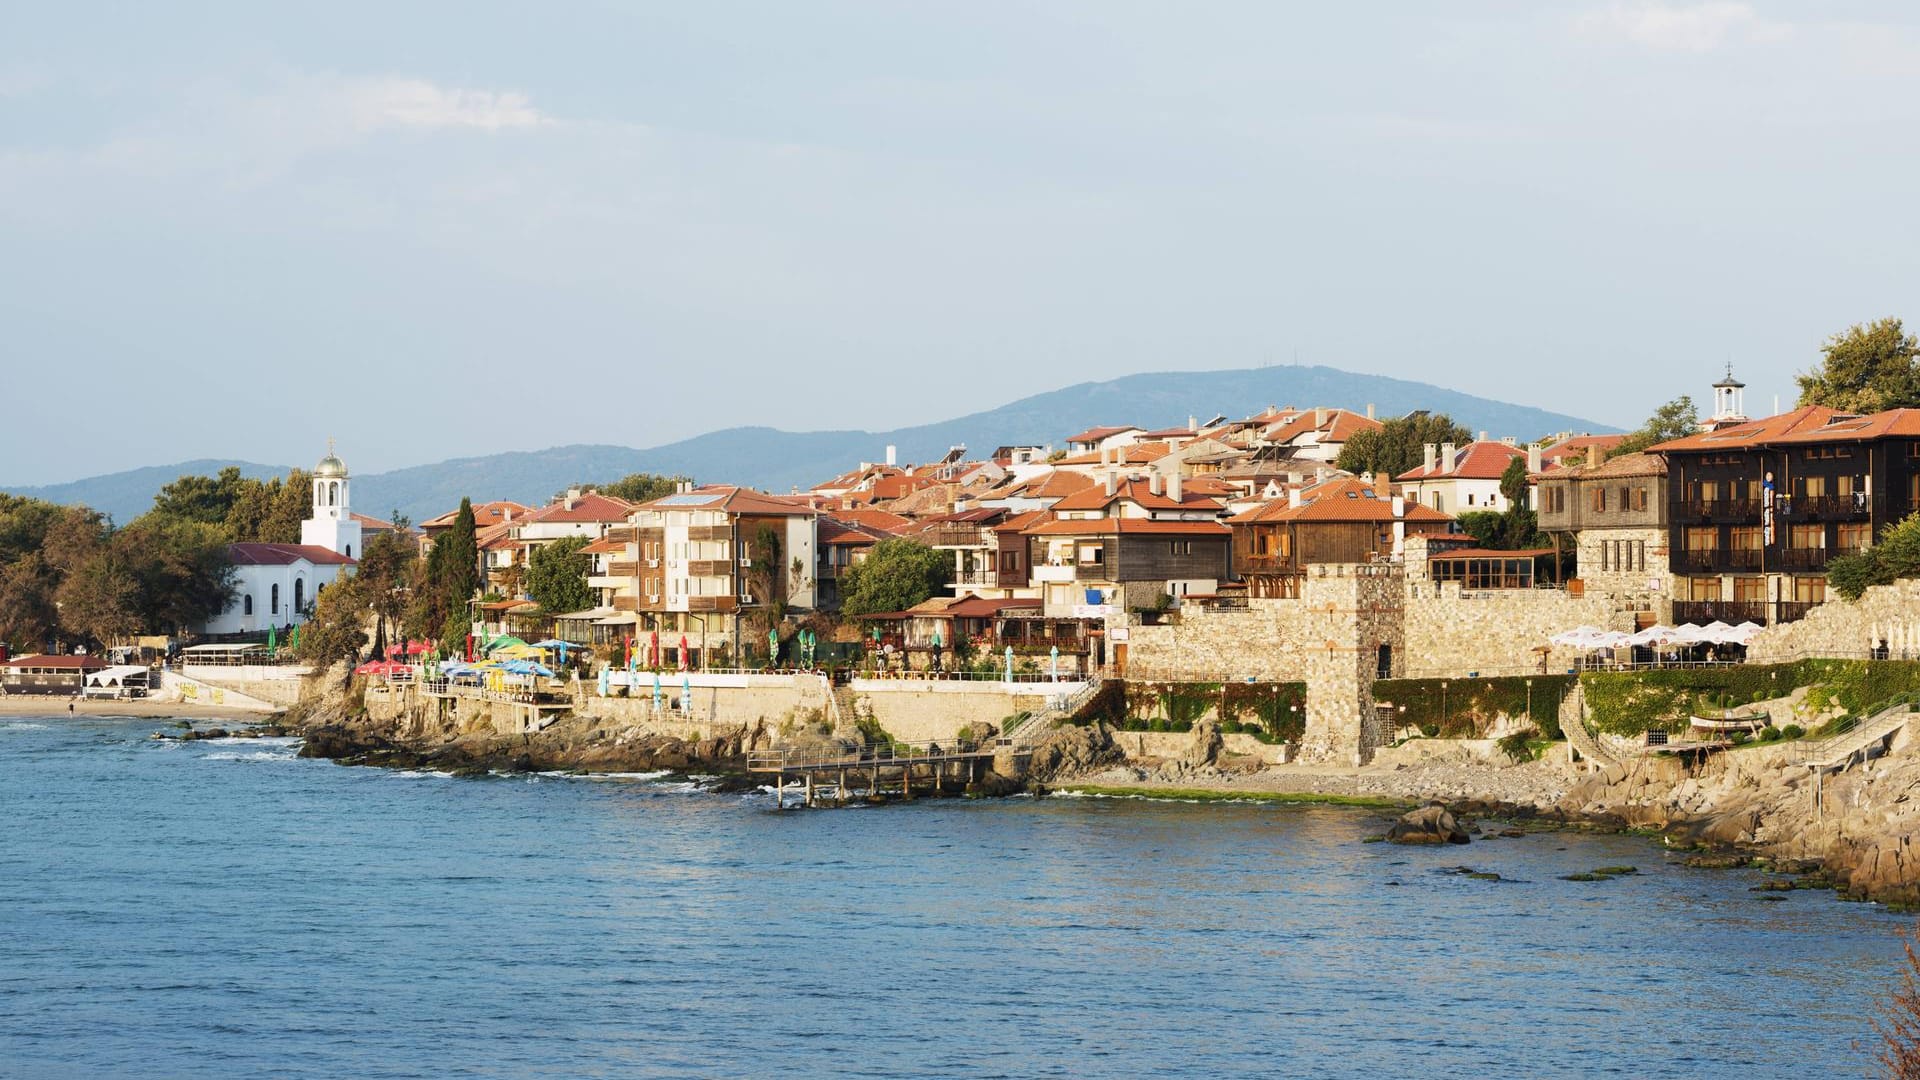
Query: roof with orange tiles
(589, 507)
(848, 533)
(1096, 434)
(1483, 460)
(1057, 484)
(1125, 527)
(1488, 553)
(1578, 445)
(1019, 522)
(1340, 425)
(1136, 491)
(1619, 467)
(495, 537)
(484, 514)
(605, 546)
(62, 662)
(1757, 432)
(1893, 423)
(1343, 499)
(733, 500)
(879, 521)
(1140, 453)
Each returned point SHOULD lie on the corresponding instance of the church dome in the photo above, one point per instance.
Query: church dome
(330, 468)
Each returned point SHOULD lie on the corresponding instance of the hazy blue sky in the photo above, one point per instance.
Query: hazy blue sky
(440, 229)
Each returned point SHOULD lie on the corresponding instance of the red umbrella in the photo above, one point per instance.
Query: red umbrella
(381, 667)
(653, 653)
(683, 652)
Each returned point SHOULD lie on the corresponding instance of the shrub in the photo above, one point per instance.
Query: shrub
(1468, 707)
(1517, 745)
(1792, 731)
(1740, 738)
(1769, 734)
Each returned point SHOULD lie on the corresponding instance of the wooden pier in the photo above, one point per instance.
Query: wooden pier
(835, 776)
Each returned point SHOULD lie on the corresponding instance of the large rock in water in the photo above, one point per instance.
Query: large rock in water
(1069, 749)
(1431, 824)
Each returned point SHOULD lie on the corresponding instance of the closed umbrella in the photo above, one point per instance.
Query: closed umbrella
(273, 644)
(684, 664)
(1009, 663)
(1053, 656)
(653, 649)
(603, 682)
(657, 695)
(773, 647)
(686, 695)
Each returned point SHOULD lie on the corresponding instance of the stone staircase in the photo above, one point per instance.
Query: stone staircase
(1837, 751)
(1573, 723)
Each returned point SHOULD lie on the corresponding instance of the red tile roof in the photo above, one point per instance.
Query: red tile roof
(848, 533)
(69, 663)
(484, 514)
(1125, 527)
(1880, 425)
(734, 500)
(1097, 434)
(1140, 453)
(1474, 461)
(1757, 432)
(1340, 426)
(1488, 553)
(879, 521)
(1344, 499)
(1140, 492)
(1057, 484)
(605, 546)
(283, 555)
(589, 507)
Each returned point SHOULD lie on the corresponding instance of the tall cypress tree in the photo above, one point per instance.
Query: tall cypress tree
(456, 578)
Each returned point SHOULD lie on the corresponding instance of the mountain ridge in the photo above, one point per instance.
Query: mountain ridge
(774, 459)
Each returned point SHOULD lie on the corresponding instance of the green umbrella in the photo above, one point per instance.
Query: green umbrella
(773, 646)
(273, 643)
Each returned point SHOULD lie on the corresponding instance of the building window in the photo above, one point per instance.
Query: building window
(274, 600)
(1182, 547)
(1703, 588)
(1810, 590)
(1439, 503)
(1469, 498)
(299, 594)
(1811, 487)
(246, 604)
(1702, 538)
(1597, 500)
(1750, 590)
(1747, 538)
(1638, 497)
(1808, 537)
(1855, 536)
(1093, 555)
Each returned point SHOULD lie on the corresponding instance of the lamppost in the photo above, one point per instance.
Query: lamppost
(1446, 718)
(1529, 701)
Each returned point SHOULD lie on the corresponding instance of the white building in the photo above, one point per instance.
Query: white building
(275, 585)
(1455, 480)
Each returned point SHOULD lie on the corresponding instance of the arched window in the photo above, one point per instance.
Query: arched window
(276, 600)
(246, 604)
(349, 551)
(333, 494)
(299, 593)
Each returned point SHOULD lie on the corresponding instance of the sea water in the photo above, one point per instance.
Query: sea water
(225, 908)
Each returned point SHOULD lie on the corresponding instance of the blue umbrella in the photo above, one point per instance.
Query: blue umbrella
(686, 695)
(1009, 663)
(656, 692)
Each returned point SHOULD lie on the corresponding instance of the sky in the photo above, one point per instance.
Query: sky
(444, 229)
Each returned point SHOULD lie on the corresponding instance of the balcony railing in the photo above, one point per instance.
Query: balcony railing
(973, 537)
(978, 577)
(1723, 509)
(1805, 558)
(1833, 507)
(1090, 571)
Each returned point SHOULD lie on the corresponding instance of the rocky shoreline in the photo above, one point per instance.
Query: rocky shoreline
(1732, 808)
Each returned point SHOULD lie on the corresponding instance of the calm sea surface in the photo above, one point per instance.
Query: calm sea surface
(225, 909)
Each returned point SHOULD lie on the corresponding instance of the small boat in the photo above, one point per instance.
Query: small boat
(1729, 721)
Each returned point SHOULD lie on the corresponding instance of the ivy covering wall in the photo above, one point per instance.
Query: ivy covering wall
(1468, 708)
(1275, 712)
(1632, 702)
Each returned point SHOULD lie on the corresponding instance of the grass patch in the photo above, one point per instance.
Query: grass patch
(1211, 795)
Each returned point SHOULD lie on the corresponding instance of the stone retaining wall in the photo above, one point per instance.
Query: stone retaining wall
(1847, 629)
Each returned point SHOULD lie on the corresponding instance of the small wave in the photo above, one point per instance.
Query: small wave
(254, 755)
(21, 725)
(423, 774)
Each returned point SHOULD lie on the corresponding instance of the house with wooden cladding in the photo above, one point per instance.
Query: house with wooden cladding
(1613, 514)
(1755, 510)
(1344, 520)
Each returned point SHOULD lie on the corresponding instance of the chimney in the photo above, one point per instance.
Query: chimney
(1293, 498)
(1428, 458)
(1369, 410)
(1533, 458)
(573, 497)
(1597, 455)
(1446, 457)
(1193, 423)
(1382, 486)
(1113, 482)
(893, 455)
(1399, 507)
(1319, 416)
(1483, 436)
(1173, 486)
(1153, 483)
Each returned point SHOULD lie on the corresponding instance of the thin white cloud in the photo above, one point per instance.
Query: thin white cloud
(1694, 28)
(382, 103)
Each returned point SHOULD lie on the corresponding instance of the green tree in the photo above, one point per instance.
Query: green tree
(1675, 420)
(896, 575)
(385, 578)
(557, 576)
(206, 499)
(450, 580)
(292, 504)
(641, 487)
(337, 632)
(181, 567)
(1866, 369)
(28, 616)
(1399, 444)
(1896, 556)
(100, 599)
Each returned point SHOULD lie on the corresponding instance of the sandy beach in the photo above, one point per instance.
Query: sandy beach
(34, 705)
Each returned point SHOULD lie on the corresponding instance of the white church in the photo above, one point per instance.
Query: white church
(276, 584)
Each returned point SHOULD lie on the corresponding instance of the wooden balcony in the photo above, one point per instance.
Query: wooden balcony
(1805, 558)
(723, 605)
(710, 568)
(699, 533)
(1724, 510)
(623, 568)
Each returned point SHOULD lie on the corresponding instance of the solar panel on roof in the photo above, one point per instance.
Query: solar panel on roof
(687, 500)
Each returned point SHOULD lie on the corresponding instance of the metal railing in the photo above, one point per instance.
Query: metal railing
(1854, 733)
(889, 753)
